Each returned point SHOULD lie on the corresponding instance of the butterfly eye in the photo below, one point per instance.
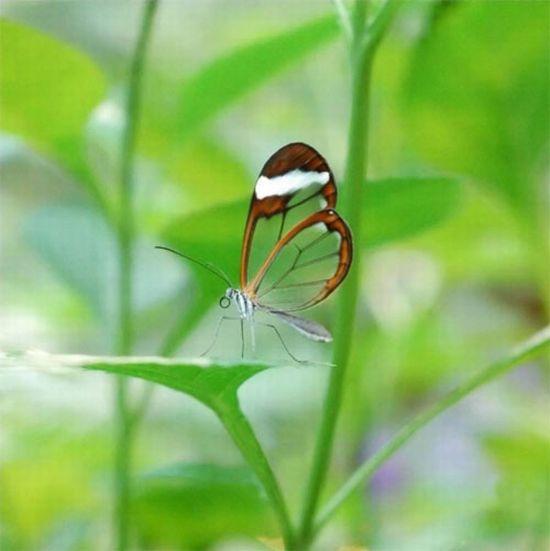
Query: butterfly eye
(224, 302)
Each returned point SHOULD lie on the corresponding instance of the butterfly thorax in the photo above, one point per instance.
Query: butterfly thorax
(244, 303)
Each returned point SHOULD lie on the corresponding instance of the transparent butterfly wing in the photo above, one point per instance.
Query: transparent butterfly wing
(306, 265)
(295, 182)
(296, 246)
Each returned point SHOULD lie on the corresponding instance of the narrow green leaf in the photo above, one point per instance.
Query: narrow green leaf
(394, 209)
(227, 79)
(200, 299)
(47, 91)
(173, 503)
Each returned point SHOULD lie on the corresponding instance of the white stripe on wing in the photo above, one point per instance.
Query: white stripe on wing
(286, 184)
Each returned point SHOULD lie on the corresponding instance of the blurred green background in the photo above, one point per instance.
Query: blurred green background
(455, 266)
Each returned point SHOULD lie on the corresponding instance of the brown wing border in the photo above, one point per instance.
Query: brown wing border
(333, 223)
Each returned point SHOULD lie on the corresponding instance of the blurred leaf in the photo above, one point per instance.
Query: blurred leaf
(208, 172)
(227, 79)
(480, 244)
(59, 469)
(194, 505)
(79, 247)
(213, 234)
(478, 97)
(400, 207)
(205, 170)
(393, 209)
(47, 91)
(524, 487)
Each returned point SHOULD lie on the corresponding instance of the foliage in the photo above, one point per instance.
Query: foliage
(461, 211)
(484, 104)
(48, 91)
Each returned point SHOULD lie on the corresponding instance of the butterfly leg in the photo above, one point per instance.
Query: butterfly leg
(284, 344)
(242, 338)
(253, 337)
(217, 332)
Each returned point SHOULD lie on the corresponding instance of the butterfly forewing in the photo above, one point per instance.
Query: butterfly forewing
(296, 249)
(295, 182)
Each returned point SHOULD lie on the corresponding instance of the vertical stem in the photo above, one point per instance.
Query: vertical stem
(348, 297)
(363, 48)
(122, 465)
(125, 237)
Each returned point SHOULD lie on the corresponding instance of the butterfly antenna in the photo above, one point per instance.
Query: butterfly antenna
(210, 267)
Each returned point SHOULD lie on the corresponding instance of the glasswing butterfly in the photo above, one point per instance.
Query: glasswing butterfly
(304, 252)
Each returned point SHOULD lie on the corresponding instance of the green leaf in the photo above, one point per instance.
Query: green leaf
(393, 209)
(215, 385)
(47, 91)
(229, 78)
(396, 208)
(212, 234)
(172, 505)
(200, 298)
(477, 96)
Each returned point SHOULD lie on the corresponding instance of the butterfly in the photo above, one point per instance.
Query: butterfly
(305, 251)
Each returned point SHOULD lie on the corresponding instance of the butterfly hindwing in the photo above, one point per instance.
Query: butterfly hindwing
(306, 265)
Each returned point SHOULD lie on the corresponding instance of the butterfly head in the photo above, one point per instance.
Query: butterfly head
(226, 300)
(244, 303)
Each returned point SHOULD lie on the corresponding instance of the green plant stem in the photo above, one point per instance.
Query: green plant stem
(122, 464)
(243, 435)
(529, 348)
(125, 235)
(126, 229)
(363, 46)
